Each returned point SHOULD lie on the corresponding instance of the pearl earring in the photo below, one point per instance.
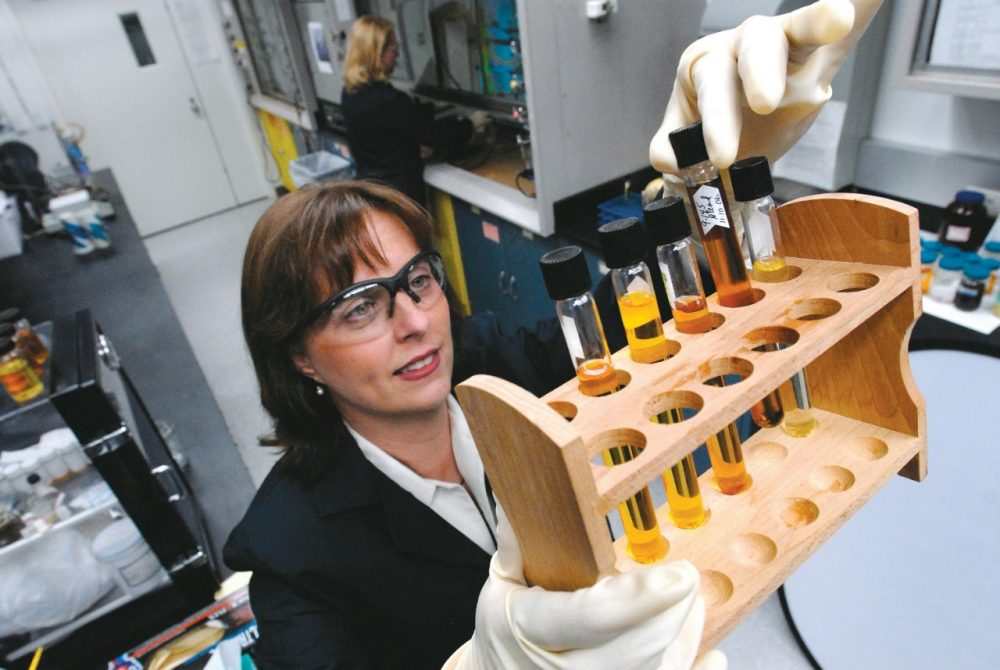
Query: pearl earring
(320, 390)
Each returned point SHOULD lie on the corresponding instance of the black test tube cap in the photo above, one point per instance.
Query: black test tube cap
(622, 242)
(751, 178)
(689, 145)
(666, 220)
(565, 272)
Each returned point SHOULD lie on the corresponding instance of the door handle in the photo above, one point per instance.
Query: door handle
(173, 487)
(195, 107)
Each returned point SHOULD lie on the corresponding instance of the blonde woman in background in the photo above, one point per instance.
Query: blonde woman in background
(386, 127)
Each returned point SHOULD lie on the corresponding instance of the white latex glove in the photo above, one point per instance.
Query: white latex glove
(758, 87)
(650, 617)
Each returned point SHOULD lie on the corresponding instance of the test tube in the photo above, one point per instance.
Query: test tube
(669, 230)
(709, 202)
(567, 281)
(725, 451)
(624, 247)
(642, 532)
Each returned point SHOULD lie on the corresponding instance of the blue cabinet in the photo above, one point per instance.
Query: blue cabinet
(501, 266)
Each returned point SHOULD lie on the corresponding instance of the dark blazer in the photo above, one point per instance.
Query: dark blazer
(354, 572)
(386, 128)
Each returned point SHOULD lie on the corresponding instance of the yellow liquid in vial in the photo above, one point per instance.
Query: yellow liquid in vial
(926, 276)
(597, 377)
(770, 269)
(799, 422)
(691, 315)
(684, 495)
(681, 482)
(726, 453)
(641, 318)
(642, 532)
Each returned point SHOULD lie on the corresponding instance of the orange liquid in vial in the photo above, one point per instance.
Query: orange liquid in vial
(684, 495)
(768, 412)
(725, 259)
(597, 377)
(926, 275)
(726, 453)
(691, 315)
(641, 318)
(642, 532)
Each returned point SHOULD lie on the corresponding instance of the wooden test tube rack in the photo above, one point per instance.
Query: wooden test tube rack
(849, 312)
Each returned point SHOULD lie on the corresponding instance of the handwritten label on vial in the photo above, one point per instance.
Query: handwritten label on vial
(707, 201)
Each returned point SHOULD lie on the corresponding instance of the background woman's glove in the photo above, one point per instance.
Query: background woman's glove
(759, 86)
(650, 617)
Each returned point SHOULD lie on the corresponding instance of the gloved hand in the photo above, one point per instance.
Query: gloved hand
(650, 617)
(759, 86)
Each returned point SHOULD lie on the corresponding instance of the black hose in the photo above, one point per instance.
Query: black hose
(795, 631)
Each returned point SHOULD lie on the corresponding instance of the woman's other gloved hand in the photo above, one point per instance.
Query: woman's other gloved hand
(650, 617)
(759, 86)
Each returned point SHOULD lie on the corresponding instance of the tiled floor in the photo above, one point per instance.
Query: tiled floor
(200, 266)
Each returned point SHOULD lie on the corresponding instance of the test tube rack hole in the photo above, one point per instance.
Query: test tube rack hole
(846, 316)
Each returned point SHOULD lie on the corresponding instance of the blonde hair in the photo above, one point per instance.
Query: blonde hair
(367, 40)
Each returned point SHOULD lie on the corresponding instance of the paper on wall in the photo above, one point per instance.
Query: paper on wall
(813, 159)
(967, 35)
(317, 38)
(191, 28)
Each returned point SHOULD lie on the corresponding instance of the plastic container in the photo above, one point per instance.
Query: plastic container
(134, 566)
(989, 294)
(319, 167)
(65, 444)
(927, 260)
(992, 249)
(11, 243)
(946, 278)
(965, 223)
(52, 466)
(622, 207)
(970, 289)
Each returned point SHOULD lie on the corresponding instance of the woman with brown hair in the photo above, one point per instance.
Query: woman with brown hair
(386, 127)
(371, 538)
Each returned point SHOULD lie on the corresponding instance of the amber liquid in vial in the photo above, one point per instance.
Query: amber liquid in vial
(597, 377)
(642, 532)
(641, 318)
(691, 315)
(681, 482)
(726, 453)
(769, 412)
(725, 259)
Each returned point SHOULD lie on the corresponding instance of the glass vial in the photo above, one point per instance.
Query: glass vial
(642, 532)
(711, 207)
(725, 451)
(752, 189)
(669, 230)
(567, 281)
(17, 374)
(624, 247)
(972, 285)
(681, 484)
(989, 294)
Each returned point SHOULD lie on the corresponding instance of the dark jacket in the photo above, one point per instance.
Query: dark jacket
(354, 572)
(385, 129)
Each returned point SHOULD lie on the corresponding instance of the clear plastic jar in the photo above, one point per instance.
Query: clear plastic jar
(989, 294)
(946, 278)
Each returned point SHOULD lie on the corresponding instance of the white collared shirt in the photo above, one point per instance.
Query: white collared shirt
(448, 500)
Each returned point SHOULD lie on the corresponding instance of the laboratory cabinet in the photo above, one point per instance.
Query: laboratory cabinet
(124, 471)
(501, 266)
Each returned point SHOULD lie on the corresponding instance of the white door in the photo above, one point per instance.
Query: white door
(146, 121)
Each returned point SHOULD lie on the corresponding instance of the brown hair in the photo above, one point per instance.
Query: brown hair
(363, 62)
(303, 249)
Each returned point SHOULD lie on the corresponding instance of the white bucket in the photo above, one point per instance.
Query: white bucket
(134, 565)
